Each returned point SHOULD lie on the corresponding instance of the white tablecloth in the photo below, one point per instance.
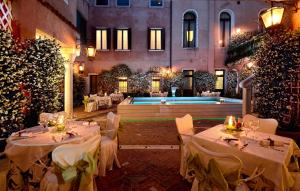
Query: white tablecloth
(24, 152)
(102, 101)
(118, 97)
(254, 155)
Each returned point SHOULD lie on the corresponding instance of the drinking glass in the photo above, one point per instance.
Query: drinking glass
(254, 126)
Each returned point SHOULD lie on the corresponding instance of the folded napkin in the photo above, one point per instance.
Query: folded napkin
(270, 142)
(232, 141)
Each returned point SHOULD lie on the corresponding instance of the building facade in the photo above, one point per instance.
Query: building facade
(190, 34)
(209, 23)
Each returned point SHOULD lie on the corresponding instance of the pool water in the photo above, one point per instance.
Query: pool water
(181, 100)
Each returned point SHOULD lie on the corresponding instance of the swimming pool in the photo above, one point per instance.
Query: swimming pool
(181, 100)
(171, 107)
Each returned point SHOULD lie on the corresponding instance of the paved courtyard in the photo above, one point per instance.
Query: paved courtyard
(149, 154)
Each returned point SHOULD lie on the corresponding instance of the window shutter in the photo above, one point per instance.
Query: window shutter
(163, 34)
(148, 38)
(108, 38)
(129, 39)
(115, 39)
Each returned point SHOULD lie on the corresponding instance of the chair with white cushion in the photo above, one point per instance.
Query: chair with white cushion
(265, 125)
(109, 144)
(185, 130)
(75, 167)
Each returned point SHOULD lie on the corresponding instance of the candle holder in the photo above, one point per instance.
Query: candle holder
(60, 126)
(230, 123)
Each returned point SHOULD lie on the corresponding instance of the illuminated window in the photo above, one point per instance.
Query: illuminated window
(156, 39)
(122, 39)
(123, 84)
(102, 2)
(225, 28)
(189, 30)
(220, 79)
(156, 3)
(155, 84)
(102, 39)
(123, 3)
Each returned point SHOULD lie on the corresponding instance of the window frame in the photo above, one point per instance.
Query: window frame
(108, 4)
(157, 7)
(220, 75)
(191, 11)
(129, 4)
(108, 39)
(223, 22)
(162, 40)
(123, 79)
(155, 79)
(128, 39)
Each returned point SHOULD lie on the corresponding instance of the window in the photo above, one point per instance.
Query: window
(123, 3)
(155, 84)
(225, 28)
(122, 39)
(102, 39)
(156, 39)
(102, 2)
(189, 30)
(220, 79)
(156, 3)
(123, 84)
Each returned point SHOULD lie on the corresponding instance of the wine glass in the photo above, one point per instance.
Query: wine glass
(254, 126)
(247, 127)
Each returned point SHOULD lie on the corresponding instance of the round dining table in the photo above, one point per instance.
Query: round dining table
(26, 148)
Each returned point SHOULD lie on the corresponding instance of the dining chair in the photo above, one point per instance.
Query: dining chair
(221, 171)
(75, 166)
(265, 125)
(295, 170)
(185, 130)
(109, 144)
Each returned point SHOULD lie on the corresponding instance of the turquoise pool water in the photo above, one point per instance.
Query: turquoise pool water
(181, 100)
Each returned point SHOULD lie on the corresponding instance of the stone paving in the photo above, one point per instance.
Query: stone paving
(153, 162)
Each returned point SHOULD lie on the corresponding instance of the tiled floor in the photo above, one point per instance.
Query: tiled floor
(149, 155)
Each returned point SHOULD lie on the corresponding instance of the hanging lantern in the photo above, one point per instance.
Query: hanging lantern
(272, 17)
(91, 51)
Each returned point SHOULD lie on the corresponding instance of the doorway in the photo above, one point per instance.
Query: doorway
(93, 84)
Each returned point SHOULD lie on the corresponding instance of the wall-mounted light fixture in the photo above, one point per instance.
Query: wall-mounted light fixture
(81, 68)
(272, 16)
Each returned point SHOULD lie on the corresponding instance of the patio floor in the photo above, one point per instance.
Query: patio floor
(149, 155)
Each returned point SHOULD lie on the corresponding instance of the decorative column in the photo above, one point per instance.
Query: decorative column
(246, 84)
(68, 93)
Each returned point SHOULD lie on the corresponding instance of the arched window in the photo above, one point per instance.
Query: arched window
(225, 28)
(189, 30)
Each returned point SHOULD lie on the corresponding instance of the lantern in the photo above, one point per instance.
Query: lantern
(230, 122)
(272, 17)
(81, 68)
(91, 51)
(77, 50)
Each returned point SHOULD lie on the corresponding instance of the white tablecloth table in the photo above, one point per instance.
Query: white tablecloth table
(254, 155)
(117, 97)
(102, 101)
(24, 152)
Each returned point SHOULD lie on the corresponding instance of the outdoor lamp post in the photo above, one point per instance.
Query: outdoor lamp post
(272, 16)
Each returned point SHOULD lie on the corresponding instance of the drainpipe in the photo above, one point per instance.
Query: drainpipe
(171, 15)
(246, 84)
